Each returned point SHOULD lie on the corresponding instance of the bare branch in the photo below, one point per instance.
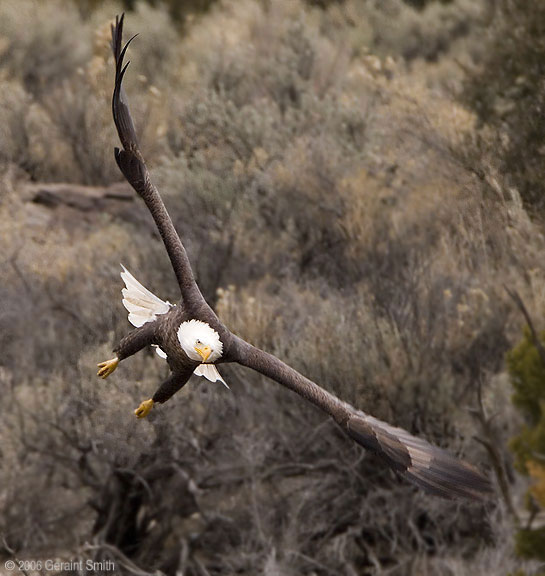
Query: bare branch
(490, 444)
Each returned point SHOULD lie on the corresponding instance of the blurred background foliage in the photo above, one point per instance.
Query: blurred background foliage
(527, 371)
(347, 175)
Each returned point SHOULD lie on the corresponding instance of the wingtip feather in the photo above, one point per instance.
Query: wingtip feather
(429, 467)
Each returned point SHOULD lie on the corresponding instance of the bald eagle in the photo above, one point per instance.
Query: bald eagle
(198, 340)
(194, 340)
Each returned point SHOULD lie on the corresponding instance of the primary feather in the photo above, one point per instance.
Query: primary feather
(427, 466)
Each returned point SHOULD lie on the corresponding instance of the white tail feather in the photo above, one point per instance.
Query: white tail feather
(141, 304)
(210, 372)
(159, 352)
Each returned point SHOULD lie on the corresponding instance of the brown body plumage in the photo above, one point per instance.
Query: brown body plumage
(429, 467)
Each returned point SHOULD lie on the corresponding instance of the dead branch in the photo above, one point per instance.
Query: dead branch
(491, 444)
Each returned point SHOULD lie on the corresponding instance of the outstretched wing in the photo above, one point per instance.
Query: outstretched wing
(427, 466)
(132, 165)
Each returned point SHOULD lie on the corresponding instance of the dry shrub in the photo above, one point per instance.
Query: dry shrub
(51, 52)
(58, 88)
(506, 90)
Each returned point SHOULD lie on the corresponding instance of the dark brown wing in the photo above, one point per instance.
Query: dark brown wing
(427, 466)
(131, 163)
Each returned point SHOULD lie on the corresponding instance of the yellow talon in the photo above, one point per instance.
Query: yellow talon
(107, 367)
(144, 409)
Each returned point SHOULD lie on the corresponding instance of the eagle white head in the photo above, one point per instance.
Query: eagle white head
(199, 341)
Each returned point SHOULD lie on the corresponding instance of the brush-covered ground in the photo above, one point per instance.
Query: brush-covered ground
(346, 205)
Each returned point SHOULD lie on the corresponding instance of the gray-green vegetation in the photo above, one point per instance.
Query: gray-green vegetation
(354, 176)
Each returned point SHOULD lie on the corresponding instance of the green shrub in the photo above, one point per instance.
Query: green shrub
(527, 372)
(530, 543)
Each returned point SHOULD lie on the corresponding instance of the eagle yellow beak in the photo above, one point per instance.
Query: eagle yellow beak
(203, 351)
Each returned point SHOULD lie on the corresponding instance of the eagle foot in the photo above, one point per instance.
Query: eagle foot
(107, 367)
(144, 409)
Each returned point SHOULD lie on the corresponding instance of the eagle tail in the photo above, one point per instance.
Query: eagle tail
(210, 372)
(141, 304)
